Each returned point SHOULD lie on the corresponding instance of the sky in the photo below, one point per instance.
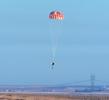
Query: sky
(25, 44)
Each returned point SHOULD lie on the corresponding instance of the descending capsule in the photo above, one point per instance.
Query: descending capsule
(57, 17)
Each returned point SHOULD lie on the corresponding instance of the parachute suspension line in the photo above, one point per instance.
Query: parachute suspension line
(55, 32)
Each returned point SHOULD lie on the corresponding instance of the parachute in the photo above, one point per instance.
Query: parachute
(56, 18)
(56, 15)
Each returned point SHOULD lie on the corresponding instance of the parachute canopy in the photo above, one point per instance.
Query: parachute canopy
(56, 15)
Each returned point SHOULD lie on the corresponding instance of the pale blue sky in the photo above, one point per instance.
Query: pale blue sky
(25, 49)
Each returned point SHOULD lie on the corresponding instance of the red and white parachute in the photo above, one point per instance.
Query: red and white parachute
(56, 15)
(56, 18)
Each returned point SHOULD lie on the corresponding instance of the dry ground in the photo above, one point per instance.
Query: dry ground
(11, 96)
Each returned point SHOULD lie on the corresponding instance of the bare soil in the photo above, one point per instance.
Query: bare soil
(13, 96)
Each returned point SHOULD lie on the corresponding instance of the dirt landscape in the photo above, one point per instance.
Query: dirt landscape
(11, 96)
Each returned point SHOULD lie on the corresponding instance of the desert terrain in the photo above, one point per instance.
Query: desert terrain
(20, 96)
